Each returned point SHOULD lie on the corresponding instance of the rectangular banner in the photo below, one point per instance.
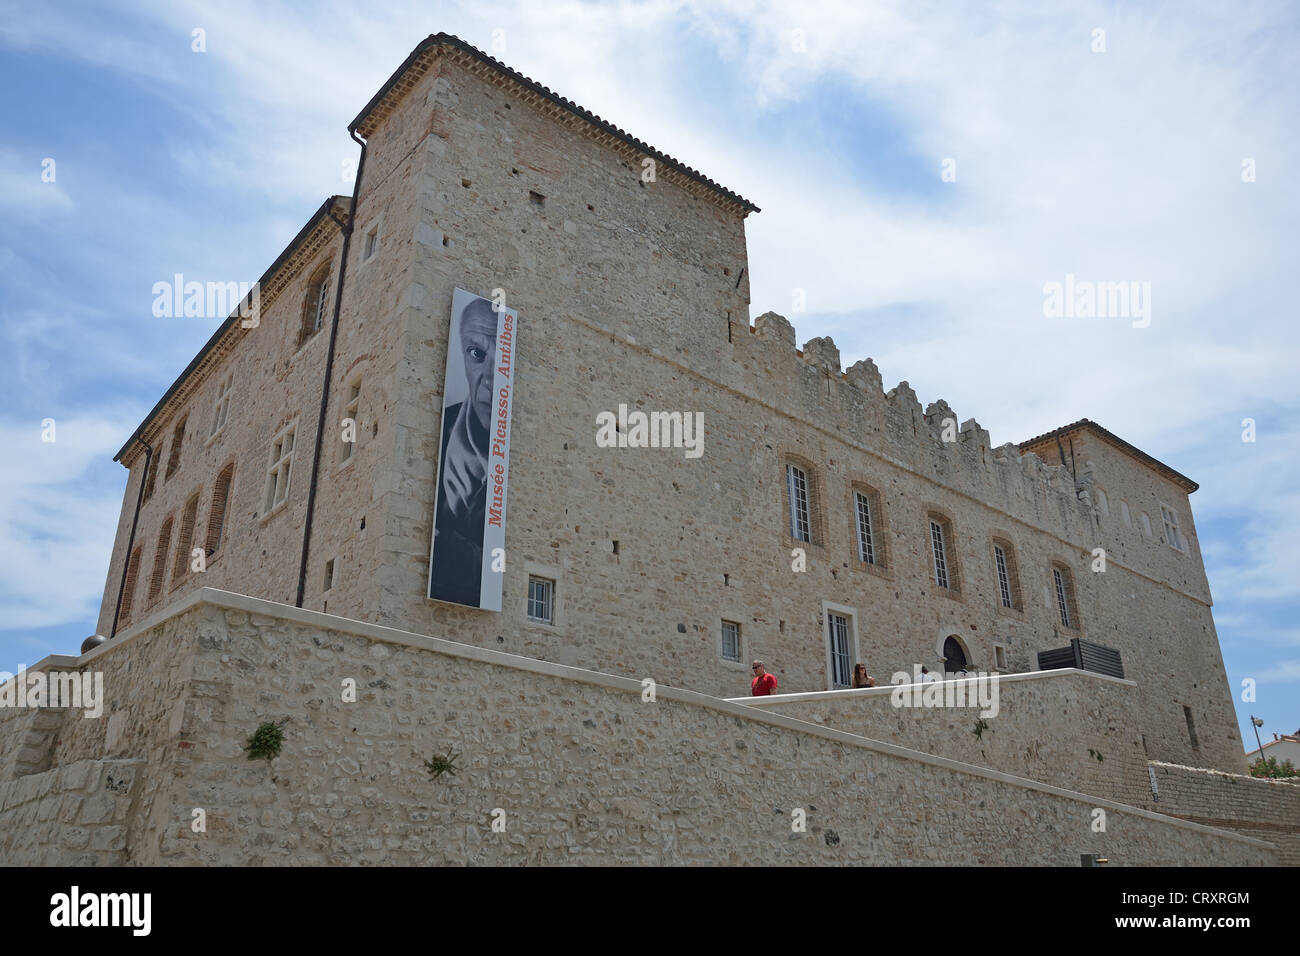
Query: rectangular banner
(467, 556)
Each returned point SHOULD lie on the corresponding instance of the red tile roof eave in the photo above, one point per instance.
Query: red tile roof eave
(323, 212)
(446, 39)
(1176, 477)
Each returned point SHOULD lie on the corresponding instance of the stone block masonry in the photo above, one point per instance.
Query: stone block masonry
(74, 815)
(577, 766)
(1267, 809)
(1068, 728)
(636, 293)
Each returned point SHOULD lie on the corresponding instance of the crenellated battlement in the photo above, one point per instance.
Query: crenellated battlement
(811, 384)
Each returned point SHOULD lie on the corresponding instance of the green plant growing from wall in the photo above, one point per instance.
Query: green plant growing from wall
(1096, 753)
(264, 743)
(981, 725)
(441, 764)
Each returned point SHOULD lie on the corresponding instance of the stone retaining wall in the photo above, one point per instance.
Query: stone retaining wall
(570, 765)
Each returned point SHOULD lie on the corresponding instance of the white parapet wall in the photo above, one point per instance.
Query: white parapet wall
(1070, 728)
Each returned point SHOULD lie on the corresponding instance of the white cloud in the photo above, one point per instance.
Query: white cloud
(56, 526)
(24, 192)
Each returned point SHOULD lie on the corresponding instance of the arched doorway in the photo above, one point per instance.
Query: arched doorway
(954, 655)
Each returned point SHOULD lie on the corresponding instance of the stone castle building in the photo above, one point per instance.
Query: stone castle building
(826, 522)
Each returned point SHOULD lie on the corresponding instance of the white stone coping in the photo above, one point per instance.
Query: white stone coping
(881, 690)
(257, 606)
(1212, 772)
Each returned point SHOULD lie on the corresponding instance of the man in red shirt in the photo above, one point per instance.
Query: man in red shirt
(764, 683)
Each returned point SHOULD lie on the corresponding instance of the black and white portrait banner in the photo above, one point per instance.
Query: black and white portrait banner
(467, 556)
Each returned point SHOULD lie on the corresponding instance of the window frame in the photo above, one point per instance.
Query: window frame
(948, 583)
(853, 654)
(1169, 518)
(866, 531)
(1067, 600)
(351, 409)
(799, 507)
(938, 554)
(280, 460)
(221, 406)
(722, 637)
(549, 605)
(315, 304)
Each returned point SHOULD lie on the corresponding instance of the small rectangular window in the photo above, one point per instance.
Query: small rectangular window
(940, 559)
(999, 657)
(329, 575)
(730, 641)
(280, 471)
(866, 541)
(541, 600)
(797, 488)
(1062, 603)
(371, 245)
(1172, 537)
(349, 425)
(1004, 580)
(221, 407)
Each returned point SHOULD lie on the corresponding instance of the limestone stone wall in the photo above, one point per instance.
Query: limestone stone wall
(276, 385)
(1069, 728)
(73, 815)
(1267, 809)
(637, 293)
(579, 766)
(1161, 598)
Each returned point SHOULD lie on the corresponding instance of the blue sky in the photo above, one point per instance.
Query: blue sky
(835, 118)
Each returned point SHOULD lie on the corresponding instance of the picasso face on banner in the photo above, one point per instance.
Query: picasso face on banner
(467, 558)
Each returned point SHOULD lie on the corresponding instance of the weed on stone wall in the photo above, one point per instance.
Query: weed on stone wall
(441, 764)
(265, 742)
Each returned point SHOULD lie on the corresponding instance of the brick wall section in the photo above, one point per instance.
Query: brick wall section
(585, 770)
(74, 815)
(1068, 728)
(1266, 809)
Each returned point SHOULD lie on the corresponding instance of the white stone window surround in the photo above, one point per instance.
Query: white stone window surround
(375, 228)
(854, 653)
(221, 406)
(1173, 534)
(546, 572)
(352, 410)
(279, 473)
